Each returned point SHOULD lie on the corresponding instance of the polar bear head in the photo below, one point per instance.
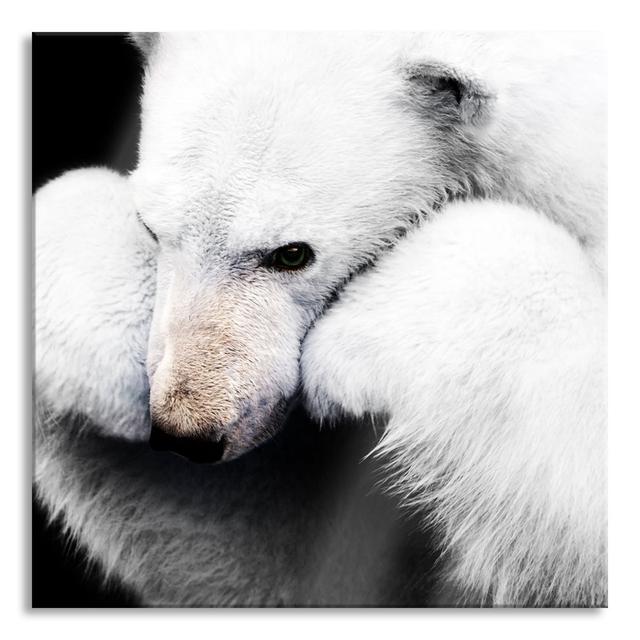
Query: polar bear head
(272, 167)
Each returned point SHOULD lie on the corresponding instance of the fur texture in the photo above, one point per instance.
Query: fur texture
(95, 284)
(345, 142)
(481, 337)
(341, 141)
(295, 522)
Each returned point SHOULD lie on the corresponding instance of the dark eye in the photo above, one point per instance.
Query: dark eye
(146, 226)
(291, 257)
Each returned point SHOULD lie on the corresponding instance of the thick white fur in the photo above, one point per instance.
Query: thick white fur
(257, 141)
(296, 522)
(482, 338)
(265, 137)
(95, 277)
(341, 140)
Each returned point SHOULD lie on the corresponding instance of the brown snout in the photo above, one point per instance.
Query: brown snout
(222, 366)
(192, 411)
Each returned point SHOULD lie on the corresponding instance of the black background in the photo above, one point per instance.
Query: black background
(84, 113)
(85, 103)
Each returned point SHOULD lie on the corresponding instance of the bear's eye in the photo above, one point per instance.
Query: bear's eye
(146, 226)
(291, 257)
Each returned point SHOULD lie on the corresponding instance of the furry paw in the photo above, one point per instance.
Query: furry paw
(95, 282)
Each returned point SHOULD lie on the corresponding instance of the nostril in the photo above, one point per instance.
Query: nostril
(200, 449)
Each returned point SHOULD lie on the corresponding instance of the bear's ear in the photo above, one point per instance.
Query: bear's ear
(146, 42)
(446, 94)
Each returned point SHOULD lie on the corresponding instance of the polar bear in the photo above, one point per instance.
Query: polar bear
(301, 159)
(296, 522)
(273, 169)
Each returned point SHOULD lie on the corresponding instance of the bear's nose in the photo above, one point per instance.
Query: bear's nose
(197, 448)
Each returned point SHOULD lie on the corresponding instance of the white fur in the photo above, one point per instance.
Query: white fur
(285, 135)
(95, 274)
(342, 141)
(295, 523)
(339, 140)
(481, 337)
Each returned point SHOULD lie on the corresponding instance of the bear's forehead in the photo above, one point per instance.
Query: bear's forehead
(265, 133)
(238, 96)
